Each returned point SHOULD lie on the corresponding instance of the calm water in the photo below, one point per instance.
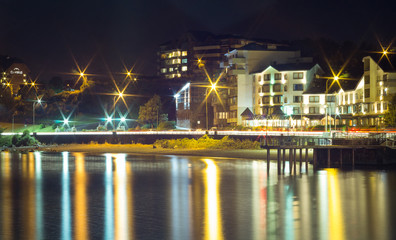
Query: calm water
(118, 196)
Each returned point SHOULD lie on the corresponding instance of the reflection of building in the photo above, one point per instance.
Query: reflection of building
(14, 74)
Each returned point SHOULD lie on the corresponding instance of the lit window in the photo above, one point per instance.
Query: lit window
(313, 99)
(184, 60)
(297, 99)
(184, 68)
(298, 87)
(296, 110)
(170, 69)
(313, 110)
(163, 70)
(184, 53)
(298, 75)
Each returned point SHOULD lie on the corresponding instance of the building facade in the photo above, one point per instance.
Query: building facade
(366, 104)
(14, 75)
(244, 77)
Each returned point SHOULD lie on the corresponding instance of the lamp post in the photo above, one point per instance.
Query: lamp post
(119, 95)
(34, 110)
(206, 105)
(213, 88)
(335, 79)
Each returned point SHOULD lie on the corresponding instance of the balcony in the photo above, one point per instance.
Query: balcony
(232, 120)
(237, 61)
(237, 71)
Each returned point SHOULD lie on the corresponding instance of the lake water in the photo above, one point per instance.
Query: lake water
(119, 196)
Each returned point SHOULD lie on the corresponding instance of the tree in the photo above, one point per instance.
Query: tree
(150, 112)
(390, 115)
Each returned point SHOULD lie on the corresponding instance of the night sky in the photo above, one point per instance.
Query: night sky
(46, 33)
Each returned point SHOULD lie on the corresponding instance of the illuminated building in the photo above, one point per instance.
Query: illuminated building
(177, 59)
(244, 64)
(192, 106)
(367, 102)
(14, 74)
(279, 92)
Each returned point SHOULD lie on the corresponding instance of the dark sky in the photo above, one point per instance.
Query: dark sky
(45, 33)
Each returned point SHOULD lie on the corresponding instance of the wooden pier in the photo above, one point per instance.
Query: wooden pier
(328, 156)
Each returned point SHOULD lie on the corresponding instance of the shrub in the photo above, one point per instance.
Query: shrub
(206, 142)
(166, 125)
(23, 140)
(42, 126)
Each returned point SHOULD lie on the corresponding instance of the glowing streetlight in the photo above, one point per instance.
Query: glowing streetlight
(81, 74)
(109, 119)
(38, 101)
(212, 88)
(123, 119)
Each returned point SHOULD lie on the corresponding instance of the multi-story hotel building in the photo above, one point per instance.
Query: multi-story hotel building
(366, 104)
(177, 59)
(14, 74)
(278, 93)
(246, 73)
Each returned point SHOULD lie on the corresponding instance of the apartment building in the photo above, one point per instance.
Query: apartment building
(178, 59)
(366, 103)
(246, 72)
(279, 94)
(14, 74)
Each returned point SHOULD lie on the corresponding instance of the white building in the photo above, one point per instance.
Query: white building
(366, 104)
(245, 61)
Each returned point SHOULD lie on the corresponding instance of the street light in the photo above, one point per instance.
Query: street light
(327, 89)
(212, 88)
(119, 95)
(38, 101)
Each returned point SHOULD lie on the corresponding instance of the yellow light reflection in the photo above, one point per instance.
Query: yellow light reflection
(6, 191)
(336, 222)
(213, 221)
(29, 197)
(80, 201)
(120, 198)
(129, 189)
(259, 181)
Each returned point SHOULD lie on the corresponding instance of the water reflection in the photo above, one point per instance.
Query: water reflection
(6, 197)
(109, 209)
(180, 199)
(213, 222)
(80, 199)
(66, 227)
(117, 196)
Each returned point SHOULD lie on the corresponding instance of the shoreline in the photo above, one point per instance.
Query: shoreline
(259, 154)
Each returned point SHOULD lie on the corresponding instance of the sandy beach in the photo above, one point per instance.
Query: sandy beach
(150, 150)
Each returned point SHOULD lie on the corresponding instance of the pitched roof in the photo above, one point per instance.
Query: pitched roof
(260, 47)
(247, 113)
(318, 86)
(294, 66)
